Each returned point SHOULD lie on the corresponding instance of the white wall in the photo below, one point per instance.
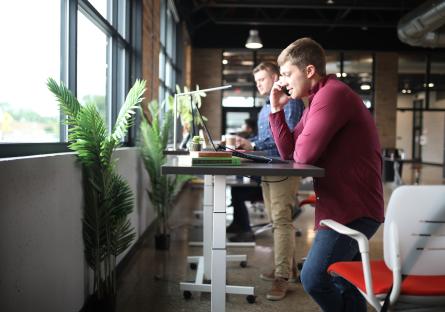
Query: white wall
(42, 266)
(433, 130)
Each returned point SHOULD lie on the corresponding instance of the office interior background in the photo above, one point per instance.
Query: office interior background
(99, 47)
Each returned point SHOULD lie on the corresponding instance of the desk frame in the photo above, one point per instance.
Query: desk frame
(218, 287)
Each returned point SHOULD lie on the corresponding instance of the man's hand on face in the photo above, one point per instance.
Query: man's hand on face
(242, 143)
(278, 99)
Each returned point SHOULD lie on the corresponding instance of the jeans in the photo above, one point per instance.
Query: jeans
(334, 293)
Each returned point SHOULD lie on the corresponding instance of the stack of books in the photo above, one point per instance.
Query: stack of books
(209, 158)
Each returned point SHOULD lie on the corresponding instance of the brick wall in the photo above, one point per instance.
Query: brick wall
(150, 46)
(206, 72)
(386, 85)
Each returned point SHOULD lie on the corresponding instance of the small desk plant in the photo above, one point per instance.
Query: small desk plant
(108, 199)
(195, 143)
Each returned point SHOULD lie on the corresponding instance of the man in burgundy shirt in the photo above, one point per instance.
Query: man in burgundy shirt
(336, 133)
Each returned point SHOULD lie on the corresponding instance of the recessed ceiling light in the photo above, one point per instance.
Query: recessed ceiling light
(225, 62)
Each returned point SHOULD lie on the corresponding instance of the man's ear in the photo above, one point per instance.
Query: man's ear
(310, 71)
(275, 77)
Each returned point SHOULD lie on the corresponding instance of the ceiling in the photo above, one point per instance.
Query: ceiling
(336, 24)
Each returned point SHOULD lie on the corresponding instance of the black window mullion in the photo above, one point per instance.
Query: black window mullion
(90, 11)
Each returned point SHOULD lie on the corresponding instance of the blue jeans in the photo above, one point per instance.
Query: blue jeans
(334, 293)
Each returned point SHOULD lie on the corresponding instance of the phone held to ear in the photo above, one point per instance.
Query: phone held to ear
(285, 91)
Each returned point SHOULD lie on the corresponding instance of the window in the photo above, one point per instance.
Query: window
(357, 73)
(30, 54)
(169, 72)
(436, 84)
(412, 78)
(92, 74)
(42, 44)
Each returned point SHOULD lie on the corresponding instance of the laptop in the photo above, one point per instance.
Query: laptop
(252, 157)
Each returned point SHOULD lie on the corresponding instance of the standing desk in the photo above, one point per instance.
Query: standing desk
(213, 262)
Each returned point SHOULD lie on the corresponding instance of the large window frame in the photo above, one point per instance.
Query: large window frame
(170, 56)
(122, 26)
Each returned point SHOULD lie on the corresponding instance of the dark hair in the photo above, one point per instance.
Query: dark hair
(272, 68)
(304, 52)
(252, 123)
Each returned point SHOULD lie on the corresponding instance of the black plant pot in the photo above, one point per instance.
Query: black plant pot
(105, 304)
(162, 241)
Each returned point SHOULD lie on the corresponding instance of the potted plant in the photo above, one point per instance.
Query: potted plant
(154, 134)
(195, 143)
(108, 199)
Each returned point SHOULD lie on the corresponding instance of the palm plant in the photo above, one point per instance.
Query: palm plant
(108, 199)
(154, 134)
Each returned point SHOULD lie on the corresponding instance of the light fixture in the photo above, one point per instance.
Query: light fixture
(365, 86)
(225, 62)
(254, 41)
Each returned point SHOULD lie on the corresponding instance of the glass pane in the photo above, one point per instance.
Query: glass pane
(122, 73)
(162, 66)
(161, 94)
(29, 55)
(412, 76)
(357, 73)
(168, 74)
(333, 63)
(169, 38)
(92, 65)
(102, 7)
(235, 121)
(436, 85)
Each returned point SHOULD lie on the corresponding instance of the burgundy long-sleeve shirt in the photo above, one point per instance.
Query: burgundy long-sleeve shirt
(337, 133)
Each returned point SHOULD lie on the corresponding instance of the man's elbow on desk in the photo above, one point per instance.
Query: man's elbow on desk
(304, 158)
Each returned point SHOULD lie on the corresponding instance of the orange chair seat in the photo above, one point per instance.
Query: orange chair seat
(414, 285)
(311, 199)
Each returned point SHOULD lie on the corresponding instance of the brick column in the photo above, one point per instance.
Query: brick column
(150, 46)
(206, 72)
(386, 85)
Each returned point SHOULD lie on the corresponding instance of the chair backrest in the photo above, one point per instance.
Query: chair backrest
(418, 213)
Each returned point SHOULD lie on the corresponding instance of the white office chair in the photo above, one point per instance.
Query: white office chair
(414, 253)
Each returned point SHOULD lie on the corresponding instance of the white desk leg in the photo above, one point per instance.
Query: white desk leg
(218, 295)
(207, 225)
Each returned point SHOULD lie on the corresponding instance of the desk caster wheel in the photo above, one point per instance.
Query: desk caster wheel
(243, 264)
(187, 294)
(251, 299)
(193, 266)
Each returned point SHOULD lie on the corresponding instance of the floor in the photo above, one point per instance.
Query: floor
(150, 280)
